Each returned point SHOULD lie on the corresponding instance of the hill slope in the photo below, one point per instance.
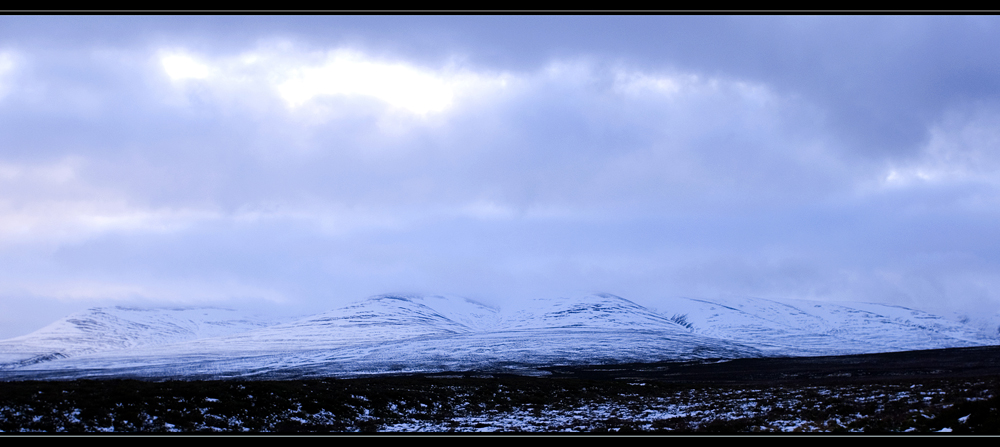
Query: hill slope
(400, 334)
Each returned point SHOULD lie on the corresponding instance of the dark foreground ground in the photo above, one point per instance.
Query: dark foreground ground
(954, 390)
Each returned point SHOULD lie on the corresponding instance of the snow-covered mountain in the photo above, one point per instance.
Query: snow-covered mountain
(805, 328)
(394, 334)
(114, 329)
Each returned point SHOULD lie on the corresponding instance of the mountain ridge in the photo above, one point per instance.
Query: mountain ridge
(420, 333)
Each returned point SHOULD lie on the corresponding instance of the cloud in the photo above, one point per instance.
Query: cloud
(317, 160)
(181, 66)
(961, 149)
(52, 203)
(300, 76)
(348, 74)
(7, 66)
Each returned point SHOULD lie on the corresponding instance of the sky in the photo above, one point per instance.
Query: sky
(294, 164)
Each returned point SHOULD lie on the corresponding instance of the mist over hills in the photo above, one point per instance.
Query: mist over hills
(403, 334)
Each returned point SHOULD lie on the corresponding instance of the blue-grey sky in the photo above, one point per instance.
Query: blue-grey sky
(298, 163)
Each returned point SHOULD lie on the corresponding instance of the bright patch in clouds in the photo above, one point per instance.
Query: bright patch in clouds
(180, 66)
(398, 85)
(54, 203)
(641, 83)
(962, 149)
(74, 220)
(6, 66)
(6, 63)
(297, 79)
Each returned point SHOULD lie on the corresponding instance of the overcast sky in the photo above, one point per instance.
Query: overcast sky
(299, 163)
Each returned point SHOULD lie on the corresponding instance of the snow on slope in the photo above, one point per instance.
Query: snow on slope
(599, 311)
(120, 328)
(407, 333)
(801, 327)
(394, 334)
(378, 319)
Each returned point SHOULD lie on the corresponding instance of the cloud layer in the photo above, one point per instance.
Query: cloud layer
(309, 161)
